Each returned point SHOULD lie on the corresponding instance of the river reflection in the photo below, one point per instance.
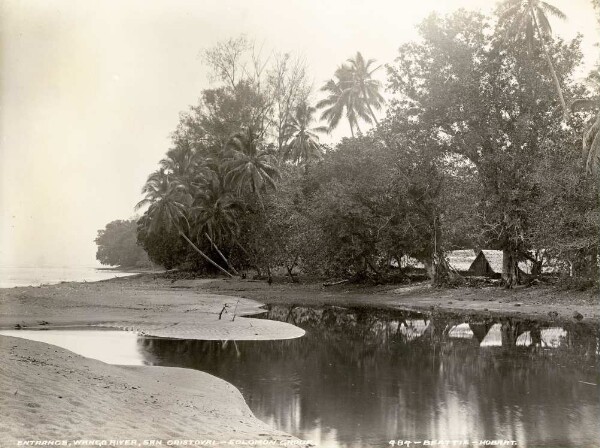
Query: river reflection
(363, 377)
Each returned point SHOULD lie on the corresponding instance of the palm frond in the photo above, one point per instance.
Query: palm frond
(552, 10)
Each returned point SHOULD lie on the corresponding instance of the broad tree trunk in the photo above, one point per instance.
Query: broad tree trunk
(510, 268)
(203, 254)
(429, 269)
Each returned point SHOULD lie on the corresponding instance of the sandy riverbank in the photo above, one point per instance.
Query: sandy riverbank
(47, 393)
(545, 303)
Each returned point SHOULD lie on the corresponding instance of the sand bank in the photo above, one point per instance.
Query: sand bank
(48, 393)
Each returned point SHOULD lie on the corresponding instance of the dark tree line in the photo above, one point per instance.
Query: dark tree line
(476, 150)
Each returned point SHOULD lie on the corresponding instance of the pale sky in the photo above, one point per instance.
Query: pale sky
(91, 90)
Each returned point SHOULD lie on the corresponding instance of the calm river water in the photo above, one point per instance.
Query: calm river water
(364, 377)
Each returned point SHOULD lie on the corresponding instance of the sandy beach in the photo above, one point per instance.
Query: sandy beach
(48, 393)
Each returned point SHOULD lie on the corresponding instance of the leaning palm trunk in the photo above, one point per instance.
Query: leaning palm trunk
(221, 254)
(551, 67)
(203, 254)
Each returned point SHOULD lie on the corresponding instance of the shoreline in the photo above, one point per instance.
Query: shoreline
(33, 372)
(49, 393)
(543, 303)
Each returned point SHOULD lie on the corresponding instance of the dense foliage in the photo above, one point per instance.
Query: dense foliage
(117, 245)
(474, 152)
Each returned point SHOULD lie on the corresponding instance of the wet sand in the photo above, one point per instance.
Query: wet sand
(48, 393)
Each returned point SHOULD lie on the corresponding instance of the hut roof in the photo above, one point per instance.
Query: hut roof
(494, 258)
(461, 260)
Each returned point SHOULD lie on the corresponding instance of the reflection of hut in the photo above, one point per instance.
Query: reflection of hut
(493, 338)
(461, 331)
(550, 337)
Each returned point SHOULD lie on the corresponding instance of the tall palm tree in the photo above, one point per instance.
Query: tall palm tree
(216, 211)
(248, 164)
(354, 91)
(181, 160)
(341, 98)
(304, 144)
(531, 17)
(364, 86)
(169, 202)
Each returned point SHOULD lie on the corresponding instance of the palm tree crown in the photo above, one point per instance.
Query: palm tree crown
(354, 91)
(304, 144)
(531, 17)
(364, 86)
(248, 165)
(168, 200)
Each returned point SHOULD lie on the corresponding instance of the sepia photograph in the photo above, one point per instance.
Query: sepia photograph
(300, 223)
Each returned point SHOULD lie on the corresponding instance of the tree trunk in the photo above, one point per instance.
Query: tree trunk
(250, 258)
(550, 65)
(203, 254)
(510, 268)
(290, 269)
(430, 270)
(221, 254)
(370, 108)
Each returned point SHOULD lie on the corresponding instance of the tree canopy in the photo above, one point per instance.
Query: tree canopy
(472, 152)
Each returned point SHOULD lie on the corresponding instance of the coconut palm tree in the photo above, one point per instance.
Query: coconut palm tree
(364, 87)
(304, 144)
(354, 91)
(248, 164)
(531, 17)
(341, 98)
(181, 161)
(169, 202)
(216, 211)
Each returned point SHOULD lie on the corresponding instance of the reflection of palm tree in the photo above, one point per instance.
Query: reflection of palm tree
(169, 204)
(530, 17)
(304, 144)
(248, 165)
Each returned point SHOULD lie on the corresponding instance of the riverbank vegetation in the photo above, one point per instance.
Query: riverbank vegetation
(471, 144)
(117, 246)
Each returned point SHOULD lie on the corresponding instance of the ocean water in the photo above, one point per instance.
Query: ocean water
(35, 276)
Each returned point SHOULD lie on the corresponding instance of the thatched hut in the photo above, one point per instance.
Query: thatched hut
(487, 263)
